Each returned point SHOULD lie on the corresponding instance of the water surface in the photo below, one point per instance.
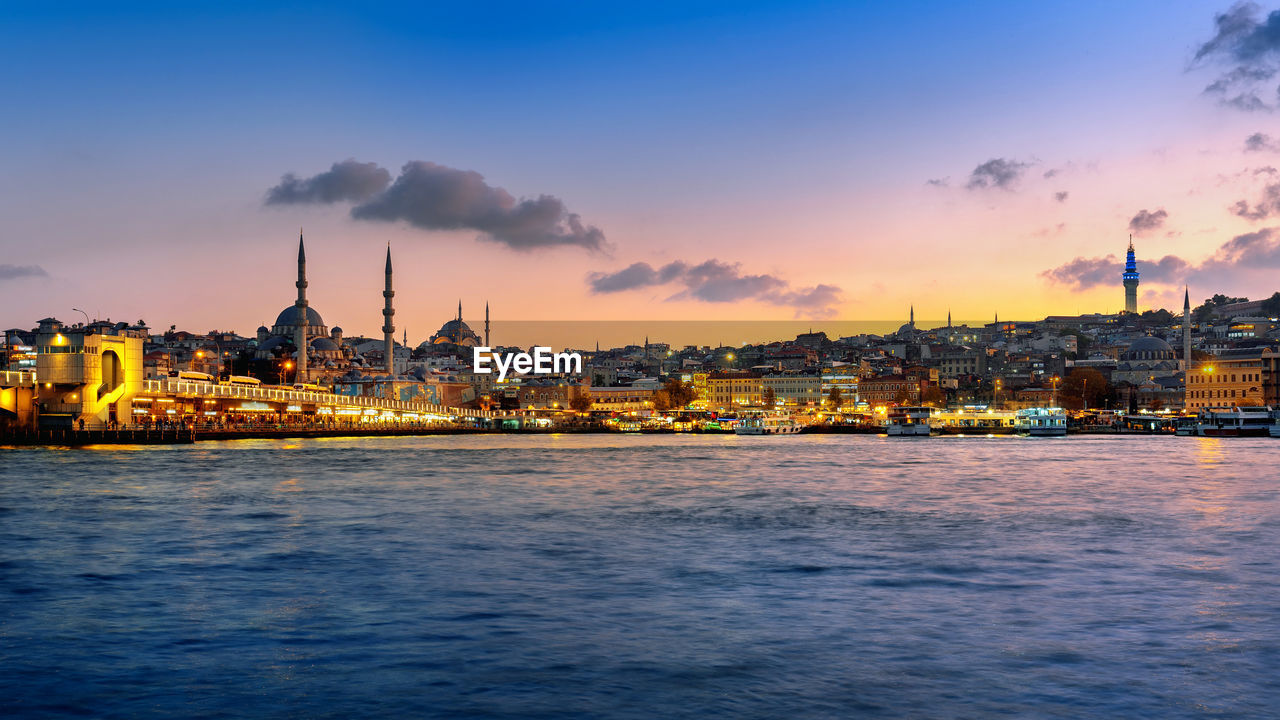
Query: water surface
(642, 577)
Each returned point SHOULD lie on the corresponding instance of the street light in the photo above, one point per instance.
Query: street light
(85, 314)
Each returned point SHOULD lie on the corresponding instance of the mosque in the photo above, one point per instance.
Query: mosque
(457, 332)
(300, 325)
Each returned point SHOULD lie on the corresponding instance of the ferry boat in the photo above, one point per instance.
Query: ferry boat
(973, 420)
(767, 425)
(1185, 425)
(1235, 422)
(1042, 422)
(909, 422)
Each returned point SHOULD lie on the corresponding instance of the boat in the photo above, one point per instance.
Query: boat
(771, 424)
(1274, 427)
(1235, 422)
(1185, 425)
(1042, 422)
(909, 422)
(973, 420)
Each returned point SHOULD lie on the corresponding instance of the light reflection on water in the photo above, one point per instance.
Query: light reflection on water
(627, 576)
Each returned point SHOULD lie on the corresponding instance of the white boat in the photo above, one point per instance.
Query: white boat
(909, 422)
(773, 424)
(1235, 422)
(1042, 422)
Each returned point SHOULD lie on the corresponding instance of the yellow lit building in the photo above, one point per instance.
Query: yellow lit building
(1236, 378)
(728, 391)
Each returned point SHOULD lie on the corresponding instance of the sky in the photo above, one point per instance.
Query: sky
(665, 161)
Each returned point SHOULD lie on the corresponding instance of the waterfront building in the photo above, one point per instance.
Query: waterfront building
(1147, 358)
(727, 391)
(1233, 378)
(793, 390)
(1130, 278)
(621, 399)
(89, 373)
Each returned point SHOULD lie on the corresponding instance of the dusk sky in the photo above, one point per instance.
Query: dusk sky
(587, 162)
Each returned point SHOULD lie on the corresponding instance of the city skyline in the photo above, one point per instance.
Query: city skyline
(707, 162)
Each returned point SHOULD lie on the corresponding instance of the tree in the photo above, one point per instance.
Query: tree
(768, 397)
(933, 396)
(678, 394)
(835, 398)
(903, 397)
(661, 401)
(1084, 388)
(1271, 306)
(1203, 312)
(580, 403)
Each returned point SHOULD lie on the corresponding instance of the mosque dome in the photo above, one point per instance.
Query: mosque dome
(1148, 349)
(291, 317)
(457, 332)
(324, 343)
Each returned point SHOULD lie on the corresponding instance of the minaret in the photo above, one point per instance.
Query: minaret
(300, 335)
(486, 324)
(459, 309)
(1130, 281)
(388, 328)
(1186, 330)
(948, 318)
(912, 319)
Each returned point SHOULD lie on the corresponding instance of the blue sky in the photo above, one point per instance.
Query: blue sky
(137, 138)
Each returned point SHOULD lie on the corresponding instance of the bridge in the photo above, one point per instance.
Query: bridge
(26, 402)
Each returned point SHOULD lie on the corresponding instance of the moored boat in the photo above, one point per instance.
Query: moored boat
(909, 422)
(771, 424)
(1235, 422)
(1042, 422)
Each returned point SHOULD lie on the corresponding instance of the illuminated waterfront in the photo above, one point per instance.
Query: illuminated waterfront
(657, 576)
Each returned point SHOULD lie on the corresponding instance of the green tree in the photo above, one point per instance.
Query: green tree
(768, 397)
(1202, 313)
(1084, 388)
(678, 393)
(835, 398)
(580, 403)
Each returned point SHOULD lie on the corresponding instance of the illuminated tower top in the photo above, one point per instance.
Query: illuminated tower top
(1130, 277)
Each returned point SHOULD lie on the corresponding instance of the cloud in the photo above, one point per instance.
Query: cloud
(1146, 221)
(997, 173)
(435, 197)
(938, 182)
(1061, 196)
(714, 281)
(1260, 142)
(346, 181)
(14, 272)
(1248, 46)
(1258, 250)
(1268, 206)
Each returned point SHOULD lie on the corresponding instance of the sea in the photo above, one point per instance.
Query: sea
(654, 576)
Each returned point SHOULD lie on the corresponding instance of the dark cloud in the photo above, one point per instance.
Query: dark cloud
(997, 173)
(938, 182)
(1260, 142)
(1252, 251)
(1146, 221)
(1267, 206)
(435, 197)
(13, 272)
(1248, 46)
(1061, 196)
(715, 281)
(348, 181)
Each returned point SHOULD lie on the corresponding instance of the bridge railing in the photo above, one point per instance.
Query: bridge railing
(17, 378)
(189, 388)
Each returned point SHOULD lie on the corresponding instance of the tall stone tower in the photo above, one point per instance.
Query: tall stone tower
(300, 336)
(1186, 330)
(388, 329)
(1130, 281)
